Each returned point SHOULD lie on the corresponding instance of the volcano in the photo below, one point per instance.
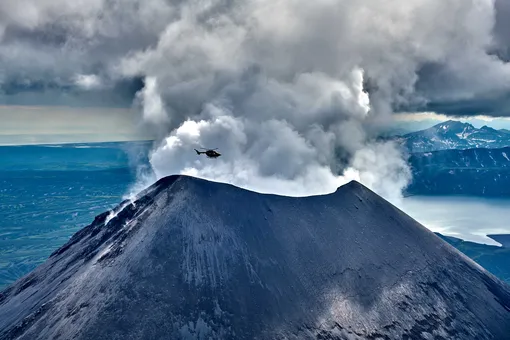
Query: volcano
(194, 259)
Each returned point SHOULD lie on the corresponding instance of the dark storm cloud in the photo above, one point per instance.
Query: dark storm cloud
(45, 46)
(41, 93)
(469, 84)
(440, 89)
(496, 106)
(502, 29)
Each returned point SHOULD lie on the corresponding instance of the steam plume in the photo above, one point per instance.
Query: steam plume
(293, 92)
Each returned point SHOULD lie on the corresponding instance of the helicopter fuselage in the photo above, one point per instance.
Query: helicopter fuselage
(209, 153)
(212, 154)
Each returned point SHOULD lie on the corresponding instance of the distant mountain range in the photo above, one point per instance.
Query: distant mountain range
(478, 172)
(456, 158)
(454, 135)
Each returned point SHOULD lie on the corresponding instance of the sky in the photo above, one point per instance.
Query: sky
(293, 92)
(23, 125)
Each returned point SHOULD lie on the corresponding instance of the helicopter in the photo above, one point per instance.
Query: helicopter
(211, 153)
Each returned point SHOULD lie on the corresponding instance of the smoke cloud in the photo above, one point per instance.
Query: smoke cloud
(292, 93)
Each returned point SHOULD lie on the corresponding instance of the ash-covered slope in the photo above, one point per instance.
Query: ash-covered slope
(192, 259)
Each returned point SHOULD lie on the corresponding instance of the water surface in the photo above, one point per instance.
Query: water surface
(468, 218)
(47, 193)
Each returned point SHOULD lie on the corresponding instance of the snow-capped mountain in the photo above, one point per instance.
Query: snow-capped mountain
(480, 172)
(457, 158)
(454, 135)
(193, 259)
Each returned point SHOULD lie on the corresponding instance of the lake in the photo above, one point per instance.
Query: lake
(468, 218)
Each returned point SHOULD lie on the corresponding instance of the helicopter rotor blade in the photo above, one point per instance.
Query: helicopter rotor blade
(208, 149)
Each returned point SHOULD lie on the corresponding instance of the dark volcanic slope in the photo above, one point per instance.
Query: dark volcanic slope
(199, 260)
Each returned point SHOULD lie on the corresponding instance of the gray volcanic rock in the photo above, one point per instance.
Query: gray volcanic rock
(193, 259)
